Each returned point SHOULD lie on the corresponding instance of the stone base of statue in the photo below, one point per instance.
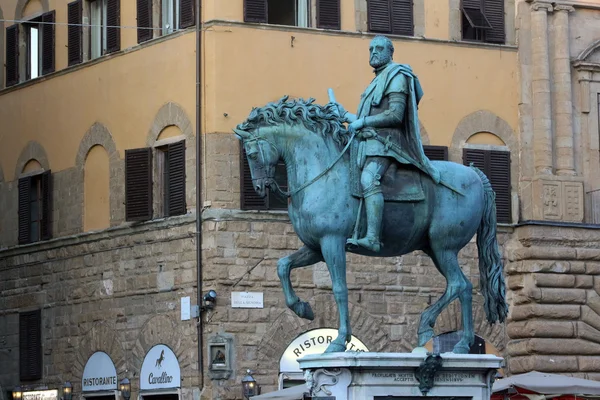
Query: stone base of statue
(396, 376)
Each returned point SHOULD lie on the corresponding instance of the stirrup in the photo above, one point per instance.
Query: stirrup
(369, 243)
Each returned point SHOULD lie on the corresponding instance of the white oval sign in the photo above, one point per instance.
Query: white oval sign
(99, 373)
(313, 342)
(160, 369)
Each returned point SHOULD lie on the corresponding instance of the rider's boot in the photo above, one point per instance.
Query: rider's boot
(374, 208)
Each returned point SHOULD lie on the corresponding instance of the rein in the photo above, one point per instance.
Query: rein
(291, 193)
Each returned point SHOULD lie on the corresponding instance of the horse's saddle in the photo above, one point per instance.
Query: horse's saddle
(400, 182)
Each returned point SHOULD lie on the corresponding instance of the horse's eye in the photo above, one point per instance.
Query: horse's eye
(253, 156)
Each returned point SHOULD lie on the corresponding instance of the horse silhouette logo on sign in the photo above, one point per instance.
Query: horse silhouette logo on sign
(160, 359)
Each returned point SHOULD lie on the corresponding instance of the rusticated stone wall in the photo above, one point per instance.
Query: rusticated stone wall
(386, 295)
(554, 324)
(116, 291)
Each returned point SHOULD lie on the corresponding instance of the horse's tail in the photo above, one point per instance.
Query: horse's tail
(491, 280)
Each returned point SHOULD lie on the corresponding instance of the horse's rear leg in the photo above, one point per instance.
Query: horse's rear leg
(302, 258)
(457, 286)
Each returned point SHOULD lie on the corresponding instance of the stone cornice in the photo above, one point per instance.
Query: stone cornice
(564, 7)
(537, 5)
(581, 65)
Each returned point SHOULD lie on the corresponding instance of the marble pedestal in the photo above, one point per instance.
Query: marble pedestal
(391, 376)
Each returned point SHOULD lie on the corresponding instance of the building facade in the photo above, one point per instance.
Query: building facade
(101, 103)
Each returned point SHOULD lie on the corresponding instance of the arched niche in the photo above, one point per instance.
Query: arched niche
(32, 151)
(22, 5)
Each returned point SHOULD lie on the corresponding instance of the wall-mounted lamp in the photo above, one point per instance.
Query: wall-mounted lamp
(17, 393)
(125, 388)
(67, 391)
(209, 300)
(249, 386)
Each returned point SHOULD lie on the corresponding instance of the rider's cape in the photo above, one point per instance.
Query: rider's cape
(407, 136)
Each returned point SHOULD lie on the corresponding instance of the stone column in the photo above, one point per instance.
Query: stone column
(542, 114)
(563, 104)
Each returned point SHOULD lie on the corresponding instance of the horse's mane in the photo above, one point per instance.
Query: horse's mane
(314, 117)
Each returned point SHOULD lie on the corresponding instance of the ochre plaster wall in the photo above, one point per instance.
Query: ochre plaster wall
(437, 19)
(96, 214)
(124, 93)
(457, 79)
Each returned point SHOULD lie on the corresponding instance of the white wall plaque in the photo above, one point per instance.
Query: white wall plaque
(41, 395)
(185, 308)
(247, 300)
(99, 373)
(160, 369)
(313, 342)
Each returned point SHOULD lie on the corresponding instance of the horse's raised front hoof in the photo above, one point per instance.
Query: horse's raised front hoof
(335, 348)
(303, 310)
(425, 336)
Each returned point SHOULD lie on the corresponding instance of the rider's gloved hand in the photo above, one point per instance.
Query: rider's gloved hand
(356, 125)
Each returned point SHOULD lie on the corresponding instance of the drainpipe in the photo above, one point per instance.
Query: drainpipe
(199, 187)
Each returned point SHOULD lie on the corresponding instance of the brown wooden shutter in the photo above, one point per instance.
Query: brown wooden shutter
(30, 345)
(276, 202)
(48, 42)
(138, 184)
(24, 210)
(187, 14)
(250, 200)
(113, 21)
(477, 157)
(255, 11)
(74, 32)
(328, 14)
(494, 11)
(46, 224)
(496, 166)
(144, 20)
(176, 154)
(436, 153)
(402, 17)
(12, 55)
(379, 13)
(499, 174)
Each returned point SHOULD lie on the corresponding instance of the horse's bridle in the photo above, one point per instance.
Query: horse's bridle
(269, 180)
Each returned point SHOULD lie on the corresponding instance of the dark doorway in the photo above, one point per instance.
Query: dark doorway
(161, 397)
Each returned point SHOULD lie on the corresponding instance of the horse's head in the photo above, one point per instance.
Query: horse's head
(262, 155)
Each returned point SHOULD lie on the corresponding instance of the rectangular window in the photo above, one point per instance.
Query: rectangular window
(391, 16)
(35, 208)
(75, 32)
(39, 45)
(166, 184)
(250, 200)
(34, 51)
(30, 345)
(170, 16)
(97, 28)
(293, 13)
(496, 166)
(483, 20)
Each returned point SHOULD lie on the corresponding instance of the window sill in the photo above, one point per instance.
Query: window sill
(88, 63)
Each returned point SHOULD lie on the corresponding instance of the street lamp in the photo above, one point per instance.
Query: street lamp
(67, 391)
(125, 388)
(17, 393)
(249, 386)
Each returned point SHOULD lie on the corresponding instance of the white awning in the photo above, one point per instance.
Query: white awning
(545, 383)
(291, 393)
